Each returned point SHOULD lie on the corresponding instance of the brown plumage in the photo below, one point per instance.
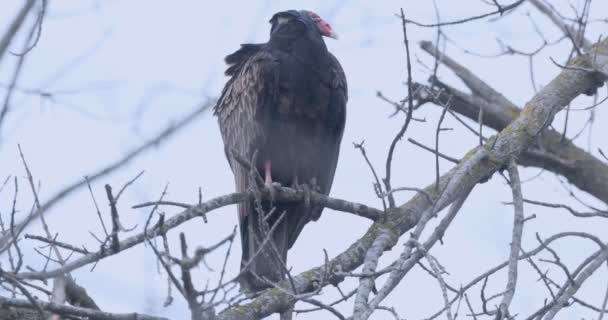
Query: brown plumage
(286, 99)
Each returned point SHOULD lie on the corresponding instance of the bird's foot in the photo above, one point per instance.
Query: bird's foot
(314, 186)
(273, 189)
(304, 188)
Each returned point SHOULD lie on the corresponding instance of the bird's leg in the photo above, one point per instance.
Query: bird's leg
(302, 187)
(271, 185)
(267, 173)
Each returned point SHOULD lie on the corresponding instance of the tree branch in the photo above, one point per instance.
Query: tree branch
(15, 26)
(177, 126)
(479, 164)
(552, 153)
(76, 311)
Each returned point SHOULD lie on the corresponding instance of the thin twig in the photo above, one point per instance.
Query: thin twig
(408, 118)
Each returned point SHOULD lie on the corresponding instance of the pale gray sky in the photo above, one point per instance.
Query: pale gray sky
(120, 70)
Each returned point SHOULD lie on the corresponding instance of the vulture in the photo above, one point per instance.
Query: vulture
(283, 109)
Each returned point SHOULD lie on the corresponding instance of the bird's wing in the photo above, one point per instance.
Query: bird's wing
(330, 146)
(338, 99)
(245, 98)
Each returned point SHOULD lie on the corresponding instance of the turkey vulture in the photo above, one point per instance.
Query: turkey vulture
(285, 100)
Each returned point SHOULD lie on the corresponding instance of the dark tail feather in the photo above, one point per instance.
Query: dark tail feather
(264, 247)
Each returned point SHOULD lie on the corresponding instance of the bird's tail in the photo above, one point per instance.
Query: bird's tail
(265, 241)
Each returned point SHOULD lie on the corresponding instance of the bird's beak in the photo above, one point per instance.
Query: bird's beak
(332, 34)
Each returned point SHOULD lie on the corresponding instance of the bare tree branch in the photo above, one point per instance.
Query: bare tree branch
(518, 225)
(15, 26)
(566, 29)
(76, 311)
(150, 144)
(479, 164)
(563, 157)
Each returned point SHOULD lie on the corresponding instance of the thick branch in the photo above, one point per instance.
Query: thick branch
(477, 86)
(366, 284)
(479, 164)
(284, 194)
(552, 153)
(75, 311)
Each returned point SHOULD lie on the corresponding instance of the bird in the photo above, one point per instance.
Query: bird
(283, 109)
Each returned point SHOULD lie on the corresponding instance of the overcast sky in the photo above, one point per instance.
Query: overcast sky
(121, 71)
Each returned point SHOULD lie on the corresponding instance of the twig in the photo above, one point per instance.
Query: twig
(103, 225)
(500, 11)
(115, 243)
(377, 185)
(408, 260)
(15, 234)
(130, 182)
(437, 131)
(76, 311)
(446, 157)
(434, 264)
(38, 27)
(14, 26)
(604, 303)
(570, 289)
(16, 74)
(408, 118)
(34, 303)
(164, 135)
(57, 243)
(567, 30)
(189, 291)
(596, 213)
(518, 224)
(45, 226)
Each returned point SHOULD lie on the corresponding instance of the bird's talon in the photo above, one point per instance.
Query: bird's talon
(314, 186)
(306, 190)
(272, 188)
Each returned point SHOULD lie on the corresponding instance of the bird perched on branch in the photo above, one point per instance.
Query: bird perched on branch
(285, 101)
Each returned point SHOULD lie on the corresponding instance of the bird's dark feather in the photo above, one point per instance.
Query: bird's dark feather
(236, 60)
(286, 99)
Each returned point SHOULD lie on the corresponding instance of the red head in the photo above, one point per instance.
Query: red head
(309, 18)
(324, 27)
